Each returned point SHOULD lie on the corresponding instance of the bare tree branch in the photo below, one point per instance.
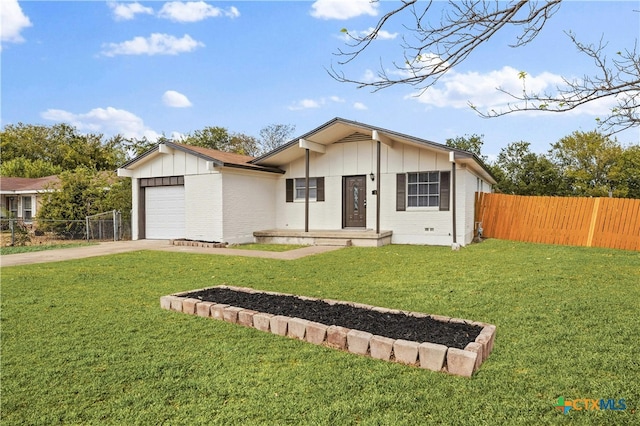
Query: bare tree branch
(434, 50)
(620, 80)
(431, 50)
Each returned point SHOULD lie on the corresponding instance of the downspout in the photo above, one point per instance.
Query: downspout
(378, 191)
(306, 191)
(452, 159)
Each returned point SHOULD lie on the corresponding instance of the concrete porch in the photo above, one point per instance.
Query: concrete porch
(338, 237)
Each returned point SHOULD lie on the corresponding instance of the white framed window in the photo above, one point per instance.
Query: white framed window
(301, 188)
(12, 206)
(27, 212)
(423, 189)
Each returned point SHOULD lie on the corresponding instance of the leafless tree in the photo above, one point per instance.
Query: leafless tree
(433, 49)
(619, 79)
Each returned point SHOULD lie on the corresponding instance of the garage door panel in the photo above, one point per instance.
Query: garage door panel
(165, 212)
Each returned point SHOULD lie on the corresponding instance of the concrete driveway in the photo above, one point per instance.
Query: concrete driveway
(112, 247)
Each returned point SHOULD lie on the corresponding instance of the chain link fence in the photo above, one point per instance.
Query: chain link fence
(108, 226)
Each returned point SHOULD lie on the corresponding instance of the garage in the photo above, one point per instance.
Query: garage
(164, 212)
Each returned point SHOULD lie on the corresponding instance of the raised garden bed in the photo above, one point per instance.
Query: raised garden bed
(434, 342)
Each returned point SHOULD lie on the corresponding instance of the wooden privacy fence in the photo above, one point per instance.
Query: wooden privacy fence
(590, 222)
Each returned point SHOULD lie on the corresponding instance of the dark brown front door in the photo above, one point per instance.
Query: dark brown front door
(354, 202)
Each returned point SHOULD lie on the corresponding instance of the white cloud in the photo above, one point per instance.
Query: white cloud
(457, 90)
(110, 121)
(194, 11)
(155, 44)
(315, 103)
(369, 76)
(360, 106)
(343, 9)
(382, 34)
(12, 22)
(304, 104)
(128, 11)
(174, 99)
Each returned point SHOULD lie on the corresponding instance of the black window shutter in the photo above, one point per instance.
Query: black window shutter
(289, 191)
(320, 189)
(401, 192)
(445, 186)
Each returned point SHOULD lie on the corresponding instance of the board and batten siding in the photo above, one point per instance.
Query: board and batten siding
(426, 225)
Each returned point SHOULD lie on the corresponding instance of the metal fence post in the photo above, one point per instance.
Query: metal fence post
(115, 227)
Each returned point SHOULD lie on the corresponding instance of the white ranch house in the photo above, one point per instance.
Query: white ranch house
(343, 182)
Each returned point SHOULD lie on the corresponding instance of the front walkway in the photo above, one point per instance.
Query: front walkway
(106, 248)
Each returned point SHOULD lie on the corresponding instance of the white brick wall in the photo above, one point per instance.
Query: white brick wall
(203, 199)
(249, 204)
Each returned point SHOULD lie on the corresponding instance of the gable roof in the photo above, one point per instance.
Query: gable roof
(339, 129)
(20, 185)
(219, 158)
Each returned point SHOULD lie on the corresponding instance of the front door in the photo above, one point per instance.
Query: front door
(354, 202)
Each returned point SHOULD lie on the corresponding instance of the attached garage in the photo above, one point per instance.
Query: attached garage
(162, 202)
(177, 192)
(165, 212)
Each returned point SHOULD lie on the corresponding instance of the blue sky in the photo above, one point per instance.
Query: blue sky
(151, 68)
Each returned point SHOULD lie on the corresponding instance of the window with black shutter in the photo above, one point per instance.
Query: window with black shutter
(444, 190)
(296, 189)
(401, 192)
(289, 190)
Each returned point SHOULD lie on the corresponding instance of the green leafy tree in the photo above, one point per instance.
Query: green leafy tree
(243, 144)
(523, 172)
(23, 167)
(586, 160)
(220, 139)
(625, 173)
(82, 192)
(472, 143)
(60, 146)
(209, 137)
(135, 147)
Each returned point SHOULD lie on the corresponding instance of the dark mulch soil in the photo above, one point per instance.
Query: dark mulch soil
(395, 326)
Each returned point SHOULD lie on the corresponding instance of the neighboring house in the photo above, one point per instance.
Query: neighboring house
(344, 180)
(20, 198)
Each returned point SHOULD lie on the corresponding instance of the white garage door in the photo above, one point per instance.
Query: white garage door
(164, 212)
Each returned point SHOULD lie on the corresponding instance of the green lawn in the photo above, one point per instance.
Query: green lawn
(85, 342)
(28, 249)
(267, 247)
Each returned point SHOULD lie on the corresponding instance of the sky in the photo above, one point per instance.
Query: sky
(151, 68)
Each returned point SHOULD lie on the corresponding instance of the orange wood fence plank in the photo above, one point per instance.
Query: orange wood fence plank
(598, 222)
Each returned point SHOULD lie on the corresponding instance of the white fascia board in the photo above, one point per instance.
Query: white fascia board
(164, 149)
(377, 136)
(125, 173)
(312, 146)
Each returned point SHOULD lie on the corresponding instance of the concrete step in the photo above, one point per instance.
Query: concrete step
(333, 242)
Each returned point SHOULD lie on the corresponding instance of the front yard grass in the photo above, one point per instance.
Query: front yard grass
(85, 341)
(31, 248)
(267, 247)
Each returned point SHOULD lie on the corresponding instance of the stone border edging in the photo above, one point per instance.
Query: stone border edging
(193, 243)
(427, 355)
